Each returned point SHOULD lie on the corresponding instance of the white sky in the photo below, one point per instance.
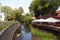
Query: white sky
(17, 3)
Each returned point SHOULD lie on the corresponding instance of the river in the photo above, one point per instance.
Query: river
(24, 34)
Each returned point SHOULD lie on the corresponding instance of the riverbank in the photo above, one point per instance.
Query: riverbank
(9, 32)
(42, 35)
(6, 24)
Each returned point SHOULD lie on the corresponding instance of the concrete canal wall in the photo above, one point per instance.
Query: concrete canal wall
(9, 32)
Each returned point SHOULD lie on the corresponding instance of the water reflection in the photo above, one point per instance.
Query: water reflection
(24, 34)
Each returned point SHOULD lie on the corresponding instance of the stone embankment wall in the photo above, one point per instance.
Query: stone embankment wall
(9, 32)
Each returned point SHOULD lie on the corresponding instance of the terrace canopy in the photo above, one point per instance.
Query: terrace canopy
(52, 20)
(35, 20)
(47, 20)
(39, 20)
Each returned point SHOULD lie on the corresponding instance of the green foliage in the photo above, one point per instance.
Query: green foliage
(43, 35)
(18, 14)
(27, 19)
(6, 24)
(8, 12)
(11, 14)
(7, 9)
(41, 7)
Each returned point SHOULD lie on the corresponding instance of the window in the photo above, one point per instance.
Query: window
(0, 16)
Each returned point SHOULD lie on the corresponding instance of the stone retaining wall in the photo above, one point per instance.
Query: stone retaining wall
(9, 32)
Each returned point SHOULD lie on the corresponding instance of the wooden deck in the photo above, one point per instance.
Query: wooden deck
(51, 27)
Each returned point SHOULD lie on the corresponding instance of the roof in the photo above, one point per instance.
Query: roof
(52, 20)
(46, 20)
(58, 9)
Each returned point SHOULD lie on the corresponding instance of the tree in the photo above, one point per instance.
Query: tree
(27, 18)
(18, 13)
(11, 14)
(8, 12)
(42, 7)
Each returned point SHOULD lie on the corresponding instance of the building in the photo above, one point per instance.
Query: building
(58, 13)
(2, 17)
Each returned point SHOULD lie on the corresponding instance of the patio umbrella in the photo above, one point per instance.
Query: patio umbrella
(39, 20)
(52, 20)
(36, 20)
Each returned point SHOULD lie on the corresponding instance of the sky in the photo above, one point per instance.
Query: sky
(17, 3)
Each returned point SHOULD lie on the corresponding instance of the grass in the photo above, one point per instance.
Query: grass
(7, 24)
(43, 35)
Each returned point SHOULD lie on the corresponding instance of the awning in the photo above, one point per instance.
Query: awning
(47, 20)
(39, 20)
(52, 20)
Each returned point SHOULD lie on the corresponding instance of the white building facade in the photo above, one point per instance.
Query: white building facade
(2, 17)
